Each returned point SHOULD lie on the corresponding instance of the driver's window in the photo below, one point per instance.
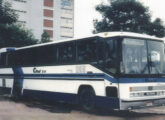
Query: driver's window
(134, 56)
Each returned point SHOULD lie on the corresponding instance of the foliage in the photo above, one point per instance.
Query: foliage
(127, 15)
(12, 34)
(45, 37)
(7, 15)
(15, 36)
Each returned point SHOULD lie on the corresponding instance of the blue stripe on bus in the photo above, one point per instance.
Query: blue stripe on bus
(64, 76)
(141, 80)
(86, 76)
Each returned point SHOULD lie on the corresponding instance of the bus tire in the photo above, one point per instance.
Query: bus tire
(87, 99)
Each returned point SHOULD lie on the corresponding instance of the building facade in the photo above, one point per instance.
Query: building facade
(56, 17)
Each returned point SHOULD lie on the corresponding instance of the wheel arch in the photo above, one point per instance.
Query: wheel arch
(81, 87)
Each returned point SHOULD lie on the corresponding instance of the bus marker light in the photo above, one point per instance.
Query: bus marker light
(130, 89)
(105, 34)
(149, 104)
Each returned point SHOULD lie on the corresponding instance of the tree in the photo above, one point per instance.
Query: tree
(127, 15)
(45, 37)
(16, 36)
(7, 15)
(12, 34)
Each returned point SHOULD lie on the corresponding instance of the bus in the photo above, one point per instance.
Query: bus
(114, 70)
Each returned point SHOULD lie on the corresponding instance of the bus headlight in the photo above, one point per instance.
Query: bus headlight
(136, 94)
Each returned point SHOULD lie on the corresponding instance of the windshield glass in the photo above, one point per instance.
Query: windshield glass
(156, 57)
(142, 57)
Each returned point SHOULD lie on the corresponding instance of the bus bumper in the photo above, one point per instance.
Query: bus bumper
(128, 105)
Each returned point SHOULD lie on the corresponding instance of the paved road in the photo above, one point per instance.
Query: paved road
(28, 110)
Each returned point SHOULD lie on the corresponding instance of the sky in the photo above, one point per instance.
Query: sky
(85, 13)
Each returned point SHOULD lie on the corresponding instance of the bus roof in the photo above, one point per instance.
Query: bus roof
(103, 35)
(128, 34)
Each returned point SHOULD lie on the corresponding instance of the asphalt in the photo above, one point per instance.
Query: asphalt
(36, 110)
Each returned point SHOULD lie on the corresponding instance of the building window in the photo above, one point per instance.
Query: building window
(66, 18)
(50, 32)
(66, 37)
(48, 3)
(66, 3)
(67, 29)
(48, 13)
(48, 23)
(66, 21)
(67, 11)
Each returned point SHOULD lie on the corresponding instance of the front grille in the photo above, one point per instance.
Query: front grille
(147, 88)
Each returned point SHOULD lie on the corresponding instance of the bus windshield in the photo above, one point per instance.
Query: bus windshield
(142, 56)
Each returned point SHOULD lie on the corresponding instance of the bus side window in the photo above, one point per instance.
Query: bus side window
(87, 50)
(100, 52)
(0, 60)
(46, 55)
(66, 52)
(110, 62)
(3, 59)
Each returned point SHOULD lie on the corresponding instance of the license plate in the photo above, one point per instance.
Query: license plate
(149, 104)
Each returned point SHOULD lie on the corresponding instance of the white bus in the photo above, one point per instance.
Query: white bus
(115, 70)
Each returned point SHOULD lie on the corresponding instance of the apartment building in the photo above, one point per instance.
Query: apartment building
(56, 17)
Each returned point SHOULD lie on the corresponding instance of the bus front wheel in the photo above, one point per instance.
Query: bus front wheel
(87, 99)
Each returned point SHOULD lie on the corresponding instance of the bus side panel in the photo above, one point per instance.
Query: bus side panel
(111, 98)
(108, 102)
(61, 80)
(6, 80)
(66, 91)
(50, 96)
(60, 90)
(5, 85)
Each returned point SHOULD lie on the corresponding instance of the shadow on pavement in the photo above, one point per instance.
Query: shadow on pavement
(54, 107)
(57, 107)
(127, 114)
(4, 97)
